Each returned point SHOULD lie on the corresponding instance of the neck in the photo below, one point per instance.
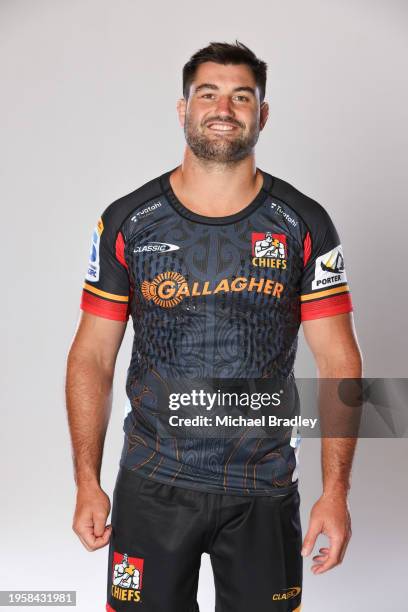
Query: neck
(214, 188)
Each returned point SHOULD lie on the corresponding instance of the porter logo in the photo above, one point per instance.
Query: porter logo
(329, 269)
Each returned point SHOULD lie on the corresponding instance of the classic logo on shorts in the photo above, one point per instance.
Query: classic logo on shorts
(287, 594)
(93, 264)
(127, 573)
(169, 288)
(329, 269)
(269, 250)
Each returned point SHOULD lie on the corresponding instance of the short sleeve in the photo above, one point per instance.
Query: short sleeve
(324, 288)
(106, 287)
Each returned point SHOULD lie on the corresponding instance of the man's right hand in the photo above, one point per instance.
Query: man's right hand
(92, 510)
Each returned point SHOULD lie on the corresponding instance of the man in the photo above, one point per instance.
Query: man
(181, 256)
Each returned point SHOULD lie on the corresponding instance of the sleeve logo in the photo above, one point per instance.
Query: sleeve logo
(329, 269)
(93, 264)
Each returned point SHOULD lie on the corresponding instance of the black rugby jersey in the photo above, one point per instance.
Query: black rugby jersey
(212, 298)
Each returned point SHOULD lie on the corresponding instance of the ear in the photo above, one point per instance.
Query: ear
(181, 110)
(264, 114)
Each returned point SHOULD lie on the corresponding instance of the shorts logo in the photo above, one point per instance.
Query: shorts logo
(269, 250)
(93, 264)
(127, 573)
(329, 269)
(286, 594)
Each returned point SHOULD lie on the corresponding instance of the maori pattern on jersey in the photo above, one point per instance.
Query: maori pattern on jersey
(212, 298)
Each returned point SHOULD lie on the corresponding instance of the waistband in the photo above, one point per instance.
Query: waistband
(136, 481)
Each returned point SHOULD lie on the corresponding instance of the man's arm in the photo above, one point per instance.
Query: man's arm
(333, 343)
(89, 376)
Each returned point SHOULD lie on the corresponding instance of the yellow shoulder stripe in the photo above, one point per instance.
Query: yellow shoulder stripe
(105, 294)
(319, 294)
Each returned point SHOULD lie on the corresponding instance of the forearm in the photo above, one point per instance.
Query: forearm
(88, 402)
(337, 458)
(340, 422)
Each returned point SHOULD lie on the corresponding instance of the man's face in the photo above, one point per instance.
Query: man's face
(223, 115)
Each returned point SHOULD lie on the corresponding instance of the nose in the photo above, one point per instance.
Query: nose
(224, 106)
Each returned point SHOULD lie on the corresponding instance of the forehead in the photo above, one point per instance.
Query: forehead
(229, 75)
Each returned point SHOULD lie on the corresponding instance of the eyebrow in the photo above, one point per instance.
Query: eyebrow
(213, 86)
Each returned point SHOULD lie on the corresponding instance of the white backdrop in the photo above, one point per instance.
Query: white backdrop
(88, 114)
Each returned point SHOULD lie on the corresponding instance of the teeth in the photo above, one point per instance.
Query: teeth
(221, 126)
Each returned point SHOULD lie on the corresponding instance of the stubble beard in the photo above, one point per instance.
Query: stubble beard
(220, 150)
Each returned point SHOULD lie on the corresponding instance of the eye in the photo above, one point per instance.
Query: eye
(207, 95)
(242, 98)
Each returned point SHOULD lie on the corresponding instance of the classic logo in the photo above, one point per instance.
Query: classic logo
(127, 573)
(156, 247)
(269, 250)
(329, 269)
(93, 264)
(286, 594)
(169, 288)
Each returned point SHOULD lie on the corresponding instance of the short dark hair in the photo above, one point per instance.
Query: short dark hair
(225, 53)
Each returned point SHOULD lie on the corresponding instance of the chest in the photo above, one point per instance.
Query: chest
(252, 263)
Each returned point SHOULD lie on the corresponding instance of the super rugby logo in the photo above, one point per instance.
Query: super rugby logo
(169, 288)
(93, 264)
(269, 250)
(127, 574)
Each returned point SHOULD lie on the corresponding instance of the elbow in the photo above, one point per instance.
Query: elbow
(81, 360)
(341, 364)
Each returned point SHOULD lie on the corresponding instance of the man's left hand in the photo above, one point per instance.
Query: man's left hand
(329, 516)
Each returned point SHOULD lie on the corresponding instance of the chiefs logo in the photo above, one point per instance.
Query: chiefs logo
(127, 573)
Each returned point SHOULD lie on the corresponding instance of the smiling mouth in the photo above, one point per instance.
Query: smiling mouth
(221, 127)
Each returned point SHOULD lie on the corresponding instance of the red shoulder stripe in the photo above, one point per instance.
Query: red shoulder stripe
(307, 248)
(326, 307)
(103, 308)
(120, 249)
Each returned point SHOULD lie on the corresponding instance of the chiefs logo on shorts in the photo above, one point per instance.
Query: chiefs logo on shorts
(127, 575)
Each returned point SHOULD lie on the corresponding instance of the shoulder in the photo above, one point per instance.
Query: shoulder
(311, 212)
(116, 213)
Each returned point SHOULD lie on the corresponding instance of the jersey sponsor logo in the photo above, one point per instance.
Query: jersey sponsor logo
(329, 269)
(145, 211)
(127, 574)
(286, 594)
(93, 264)
(269, 250)
(156, 247)
(169, 288)
(277, 208)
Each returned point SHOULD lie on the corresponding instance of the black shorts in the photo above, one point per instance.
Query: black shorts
(159, 532)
